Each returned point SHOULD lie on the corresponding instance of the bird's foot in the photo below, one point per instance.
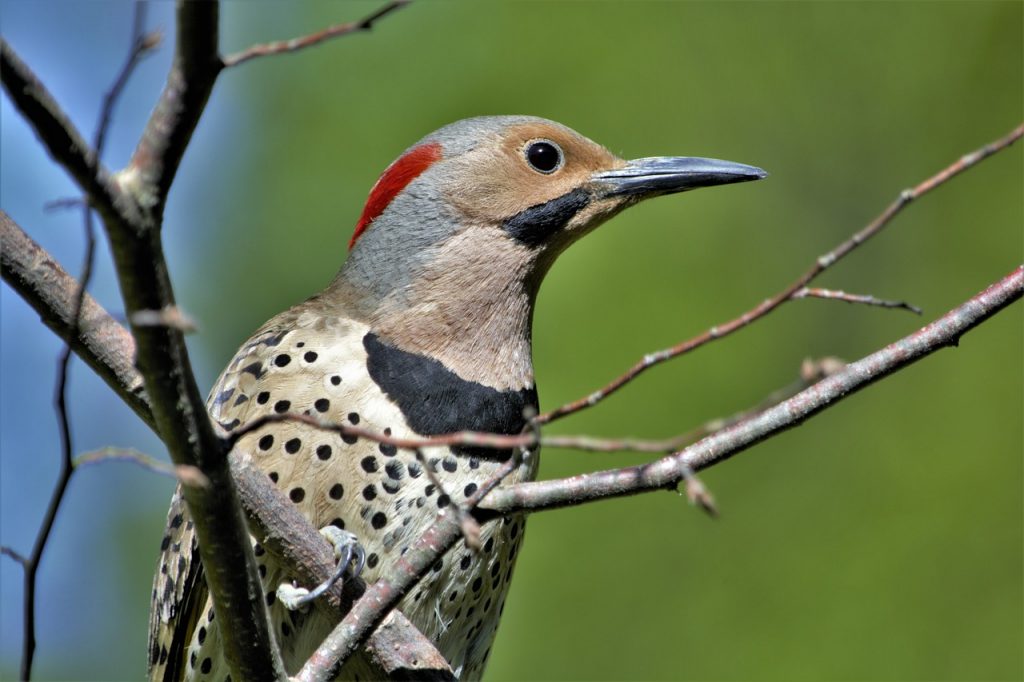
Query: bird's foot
(351, 559)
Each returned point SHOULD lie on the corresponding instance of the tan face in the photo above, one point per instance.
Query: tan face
(458, 233)
(500, 178)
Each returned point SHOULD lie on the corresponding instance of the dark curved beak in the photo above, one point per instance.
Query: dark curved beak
(670, 174)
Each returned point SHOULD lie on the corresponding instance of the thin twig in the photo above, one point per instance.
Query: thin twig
(139, 46)
(467, 438)
(63, 475)
(186, 474)
(142, 44)
(462, 438)
(63, 204)
(132, 455)
(837, 295)
(821, 264)
(170, 316)
(811, 371)
(698, 494)
(667, 472)
(470, 528)
(296, 44)
(62, 139)
(9, 552)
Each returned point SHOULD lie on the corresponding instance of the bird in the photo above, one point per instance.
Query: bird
(425, 330)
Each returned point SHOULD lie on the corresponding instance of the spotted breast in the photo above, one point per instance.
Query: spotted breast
(309, 362)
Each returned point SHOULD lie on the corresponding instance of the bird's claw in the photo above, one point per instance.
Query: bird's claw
(346, 550)
(351, 559)
(291, 596)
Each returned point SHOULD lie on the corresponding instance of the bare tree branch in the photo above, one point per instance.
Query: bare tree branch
(768, 305)
(153, 166)
(58, 134)
(138, 48)
(296, 44)
(667, 472)
(396, 646)
(132, 212)
(110, 454)
(106, 346)
(834, 295)
(15, 556)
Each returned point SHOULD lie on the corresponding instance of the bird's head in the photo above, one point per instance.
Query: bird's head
(466, 222)
(499, 184)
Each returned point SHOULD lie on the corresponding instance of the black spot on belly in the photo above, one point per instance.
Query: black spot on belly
(435, 400)
(223, 396)
(255, 369)
(272, 340)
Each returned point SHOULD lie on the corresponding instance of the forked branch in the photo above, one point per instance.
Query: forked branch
(302, 42)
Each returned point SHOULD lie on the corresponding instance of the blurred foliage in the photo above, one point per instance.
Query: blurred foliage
(883, 539)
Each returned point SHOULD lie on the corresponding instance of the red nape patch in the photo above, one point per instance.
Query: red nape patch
(394, 180)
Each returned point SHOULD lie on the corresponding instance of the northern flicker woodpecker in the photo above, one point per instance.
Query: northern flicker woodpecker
(425, 330)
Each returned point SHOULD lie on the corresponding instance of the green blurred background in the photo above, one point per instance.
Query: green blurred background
(880, 541)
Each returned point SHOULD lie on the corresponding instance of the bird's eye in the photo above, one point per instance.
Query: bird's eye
(544, 156)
